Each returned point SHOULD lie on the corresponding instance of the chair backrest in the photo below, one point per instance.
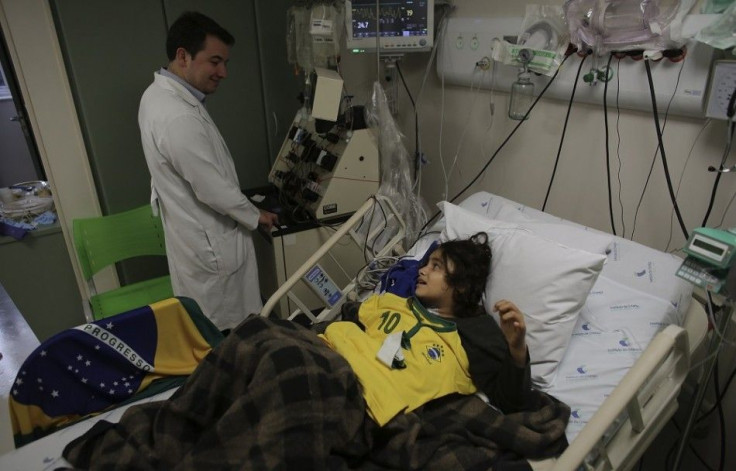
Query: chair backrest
(106, 240)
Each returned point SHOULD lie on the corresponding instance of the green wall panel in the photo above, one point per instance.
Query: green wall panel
(111, 50)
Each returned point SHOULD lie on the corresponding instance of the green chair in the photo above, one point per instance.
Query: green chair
(107, 240)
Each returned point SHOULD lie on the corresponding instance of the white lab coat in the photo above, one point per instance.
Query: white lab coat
(207, 220)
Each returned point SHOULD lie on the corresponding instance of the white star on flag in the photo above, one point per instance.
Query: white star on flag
(109, 326)
(54, 393)
(102, 385)
(84, 380)
(112, 391)
(88, 363)
(79, 357)
(43, 353)
(19, 381)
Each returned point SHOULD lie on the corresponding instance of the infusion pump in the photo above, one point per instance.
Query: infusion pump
(711, 256)
(328, 174)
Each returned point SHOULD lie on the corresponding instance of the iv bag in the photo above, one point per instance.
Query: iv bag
(625, 25)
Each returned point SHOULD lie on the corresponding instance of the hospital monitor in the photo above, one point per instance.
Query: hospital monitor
(403, 25)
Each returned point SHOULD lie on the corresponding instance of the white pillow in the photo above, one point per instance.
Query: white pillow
(461, 223)
(571, 235)
(549, 282)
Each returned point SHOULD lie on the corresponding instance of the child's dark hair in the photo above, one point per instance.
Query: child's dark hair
(471, 263)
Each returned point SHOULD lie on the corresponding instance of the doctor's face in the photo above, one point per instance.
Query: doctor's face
(208, 67)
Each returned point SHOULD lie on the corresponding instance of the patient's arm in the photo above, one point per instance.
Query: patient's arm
(492, 368)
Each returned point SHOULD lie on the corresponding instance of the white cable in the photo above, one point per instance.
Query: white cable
(442, 123)
(467, 122)
(679, 183)
(439, 43)
(728, 206)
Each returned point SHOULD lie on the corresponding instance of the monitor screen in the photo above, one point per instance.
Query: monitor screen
(402, 25)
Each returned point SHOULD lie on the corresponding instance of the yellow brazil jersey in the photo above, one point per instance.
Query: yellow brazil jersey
(436, 363)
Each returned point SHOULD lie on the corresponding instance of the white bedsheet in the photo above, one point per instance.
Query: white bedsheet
(636, 296)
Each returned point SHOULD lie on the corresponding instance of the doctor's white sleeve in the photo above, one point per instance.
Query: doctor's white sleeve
(190, 150)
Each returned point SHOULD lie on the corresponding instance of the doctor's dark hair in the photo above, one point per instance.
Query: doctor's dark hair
(471, 264)
(190, 31)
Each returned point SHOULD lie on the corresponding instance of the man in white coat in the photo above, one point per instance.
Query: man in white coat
(207, 219)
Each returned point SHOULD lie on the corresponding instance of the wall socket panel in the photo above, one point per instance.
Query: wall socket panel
(467, 41)
(721, 86)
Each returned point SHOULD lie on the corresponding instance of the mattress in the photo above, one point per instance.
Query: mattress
(45, 453)
(636, 295)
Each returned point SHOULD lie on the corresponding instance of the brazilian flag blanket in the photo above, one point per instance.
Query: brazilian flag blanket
(87, 369)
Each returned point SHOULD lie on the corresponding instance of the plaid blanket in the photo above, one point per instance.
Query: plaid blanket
(272, 395)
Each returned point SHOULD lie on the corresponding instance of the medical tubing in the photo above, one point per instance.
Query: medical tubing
(564, 131)
(720, 397)
(508, 138)
(608, 151)
(505, 141)
(416, 119)
(661, 151)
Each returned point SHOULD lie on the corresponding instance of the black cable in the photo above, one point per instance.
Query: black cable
(608, 152)
(654, 157)
(505, 141)
(672, 449)
(662, 153)
(618, 145)
(720, 397)
(564, 131)
(718, 173)
(721, 418)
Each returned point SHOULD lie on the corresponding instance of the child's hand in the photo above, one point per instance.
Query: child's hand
(513, 328)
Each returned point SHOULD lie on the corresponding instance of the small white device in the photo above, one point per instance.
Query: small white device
(711, 253)
(322, 284)
(721, 86)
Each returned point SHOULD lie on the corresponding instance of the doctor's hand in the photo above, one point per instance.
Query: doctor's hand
(267, 220)
(513, 328)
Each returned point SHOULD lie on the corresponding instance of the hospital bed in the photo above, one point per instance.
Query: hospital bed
(636, 313)
(627, 352)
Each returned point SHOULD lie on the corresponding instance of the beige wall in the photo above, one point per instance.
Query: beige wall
(523, 169)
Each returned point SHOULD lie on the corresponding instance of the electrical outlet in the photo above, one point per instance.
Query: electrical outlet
(721, 86)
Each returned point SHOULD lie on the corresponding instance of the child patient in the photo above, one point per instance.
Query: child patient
(407, 352)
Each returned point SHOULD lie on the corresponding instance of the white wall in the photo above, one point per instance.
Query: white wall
(523, 169)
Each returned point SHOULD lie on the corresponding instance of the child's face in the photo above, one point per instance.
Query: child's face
(432, 288)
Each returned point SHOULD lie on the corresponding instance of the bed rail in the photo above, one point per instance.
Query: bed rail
(352, 227)
(637, 409)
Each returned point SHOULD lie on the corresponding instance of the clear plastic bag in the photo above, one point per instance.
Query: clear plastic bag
(625, 25)
(396, 182)
(721, 34)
